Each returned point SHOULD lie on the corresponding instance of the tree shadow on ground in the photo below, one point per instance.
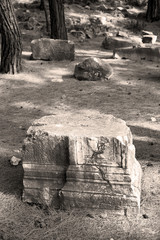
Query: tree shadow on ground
(147, 143)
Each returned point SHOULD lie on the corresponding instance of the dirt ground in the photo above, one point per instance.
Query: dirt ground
(45, 88)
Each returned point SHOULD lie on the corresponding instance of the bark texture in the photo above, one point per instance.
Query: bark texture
(153, 10)
(58, 28)
(11, 49)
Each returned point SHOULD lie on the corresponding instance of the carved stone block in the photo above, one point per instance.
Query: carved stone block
(84, 160)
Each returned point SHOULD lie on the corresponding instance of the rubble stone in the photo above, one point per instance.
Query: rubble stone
(52, 49)
(93, 69)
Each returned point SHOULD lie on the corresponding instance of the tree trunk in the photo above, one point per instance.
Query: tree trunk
(58, 28)
(41, 5)
(11, 49)
(153, 10)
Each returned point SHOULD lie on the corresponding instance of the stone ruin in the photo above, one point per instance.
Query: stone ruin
(84, 160)
(93, 69)
(52, 49)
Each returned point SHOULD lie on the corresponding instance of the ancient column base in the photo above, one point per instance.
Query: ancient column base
(82, 161)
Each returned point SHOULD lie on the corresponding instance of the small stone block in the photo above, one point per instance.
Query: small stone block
(149, 39)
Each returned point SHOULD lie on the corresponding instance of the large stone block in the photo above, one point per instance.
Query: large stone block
(137, 54)
(112, 43)
(52, 49)
(82, 160)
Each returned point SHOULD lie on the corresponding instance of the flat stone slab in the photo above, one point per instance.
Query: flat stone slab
(52, 49)
(81, 160)
(137, 54)
(93, 69)
(112, 43)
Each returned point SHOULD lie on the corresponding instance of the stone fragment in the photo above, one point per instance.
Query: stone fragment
(149, 39)
(14, 161)
(103, 8)
(52, 49)
(144, 32)
(32, 24)
(89, 34)
(111, 43)
(90, 164)
(122, 34)
(120, 8)
(137, 54)
(78, 34)
(69, 22)
(93, 69)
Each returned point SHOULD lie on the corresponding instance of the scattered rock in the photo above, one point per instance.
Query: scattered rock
(104, 8)
(102, 20)
(89, 34)
(22, 15)
(152, 155)
(122, 34)
(87, 7)
(149, 164)
(120, 8)
(149, 39)
(93, 69)
(22, 128)
(78, 34)
(145, 216)
(52, 49)
(69, 23)
(39, 223)
(116, 42)
(89, 215)
(14, 161)
(153, 119)
(32, 24)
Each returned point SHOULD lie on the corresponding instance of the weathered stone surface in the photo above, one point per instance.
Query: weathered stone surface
(137, 54)
(93, 69)
(149, 39)
(52, 49)
(103, 173)
(111, 43)
(44, 162)
(96, 154)
(122, 34)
